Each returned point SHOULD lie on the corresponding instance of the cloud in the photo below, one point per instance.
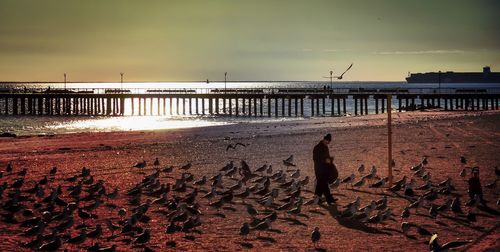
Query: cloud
(421, 52)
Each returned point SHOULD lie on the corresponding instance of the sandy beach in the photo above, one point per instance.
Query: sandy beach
(442, 137)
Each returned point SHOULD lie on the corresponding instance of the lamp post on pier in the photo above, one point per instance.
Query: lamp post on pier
(64, 81)
(121, 82)
(225, 81)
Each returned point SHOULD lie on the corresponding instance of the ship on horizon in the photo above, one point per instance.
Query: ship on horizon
(455, 77)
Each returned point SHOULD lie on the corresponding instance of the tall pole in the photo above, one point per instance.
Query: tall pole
(389, 137)
(225, 80)
(65, 81)
(331, 79)
(439, 82)
(121, 81)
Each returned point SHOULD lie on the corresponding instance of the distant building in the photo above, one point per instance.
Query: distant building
(452, 77)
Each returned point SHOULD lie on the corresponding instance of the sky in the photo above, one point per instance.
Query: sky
(191, 40)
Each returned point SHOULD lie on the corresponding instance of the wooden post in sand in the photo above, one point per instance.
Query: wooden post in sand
(389, 138)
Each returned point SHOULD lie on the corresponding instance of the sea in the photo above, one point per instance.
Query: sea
(36, 125)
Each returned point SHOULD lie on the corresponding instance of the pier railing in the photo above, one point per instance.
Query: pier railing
(394, 91)
(278, 102)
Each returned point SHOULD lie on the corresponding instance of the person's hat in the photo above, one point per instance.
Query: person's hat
(328, 137)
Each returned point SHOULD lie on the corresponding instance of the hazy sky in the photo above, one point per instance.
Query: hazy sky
(95, 40)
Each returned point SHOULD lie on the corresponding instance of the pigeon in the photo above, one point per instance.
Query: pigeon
(156, 162)
(53, 171)
(423, 231)
(52, 245)
(245, 229)
(289, 161)
(491, 185)
(315, 235)
(405, 226)
(186, 166)
(360, 183)
(455, 205)
(348, 180)
(463, 173)
(406, 213)
(361, 168)
(436, 247)
(143, 237)
(140, 165)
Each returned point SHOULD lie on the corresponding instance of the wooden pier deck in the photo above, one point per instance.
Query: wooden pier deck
(269, 102)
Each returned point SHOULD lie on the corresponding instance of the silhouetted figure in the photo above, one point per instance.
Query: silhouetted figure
(322, 163)
(475, 185)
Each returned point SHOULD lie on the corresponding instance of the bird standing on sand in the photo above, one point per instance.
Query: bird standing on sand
(315, 236)
(140, 165)
(463, 173)
(361, 169)
(156, 162)
(289, 161)
(245, 229)
(435, 246)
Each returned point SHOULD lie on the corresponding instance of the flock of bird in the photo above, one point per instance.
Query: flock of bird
(54, 212)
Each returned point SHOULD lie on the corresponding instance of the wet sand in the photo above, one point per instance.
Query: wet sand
(441, 136)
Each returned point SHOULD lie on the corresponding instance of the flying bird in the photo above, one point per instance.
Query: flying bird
(231, 146)
(342, 75)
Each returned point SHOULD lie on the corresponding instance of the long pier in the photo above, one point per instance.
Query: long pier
(250, 102)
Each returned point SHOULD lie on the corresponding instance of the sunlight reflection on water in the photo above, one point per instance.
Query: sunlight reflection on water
(131, 123)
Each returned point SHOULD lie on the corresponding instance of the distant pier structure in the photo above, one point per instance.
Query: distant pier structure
(249, 102)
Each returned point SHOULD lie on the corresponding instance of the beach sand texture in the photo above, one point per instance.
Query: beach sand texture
(442, 137)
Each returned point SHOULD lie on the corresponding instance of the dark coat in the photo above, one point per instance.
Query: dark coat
(320, 154)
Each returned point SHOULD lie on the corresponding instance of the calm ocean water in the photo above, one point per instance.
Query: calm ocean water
(62, 124)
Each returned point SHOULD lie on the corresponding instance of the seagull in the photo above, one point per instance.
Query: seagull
(315, 235)
(342, 75)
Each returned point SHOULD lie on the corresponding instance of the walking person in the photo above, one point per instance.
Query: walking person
(323, 169)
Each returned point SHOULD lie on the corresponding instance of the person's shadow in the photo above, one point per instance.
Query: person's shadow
(350, 222)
